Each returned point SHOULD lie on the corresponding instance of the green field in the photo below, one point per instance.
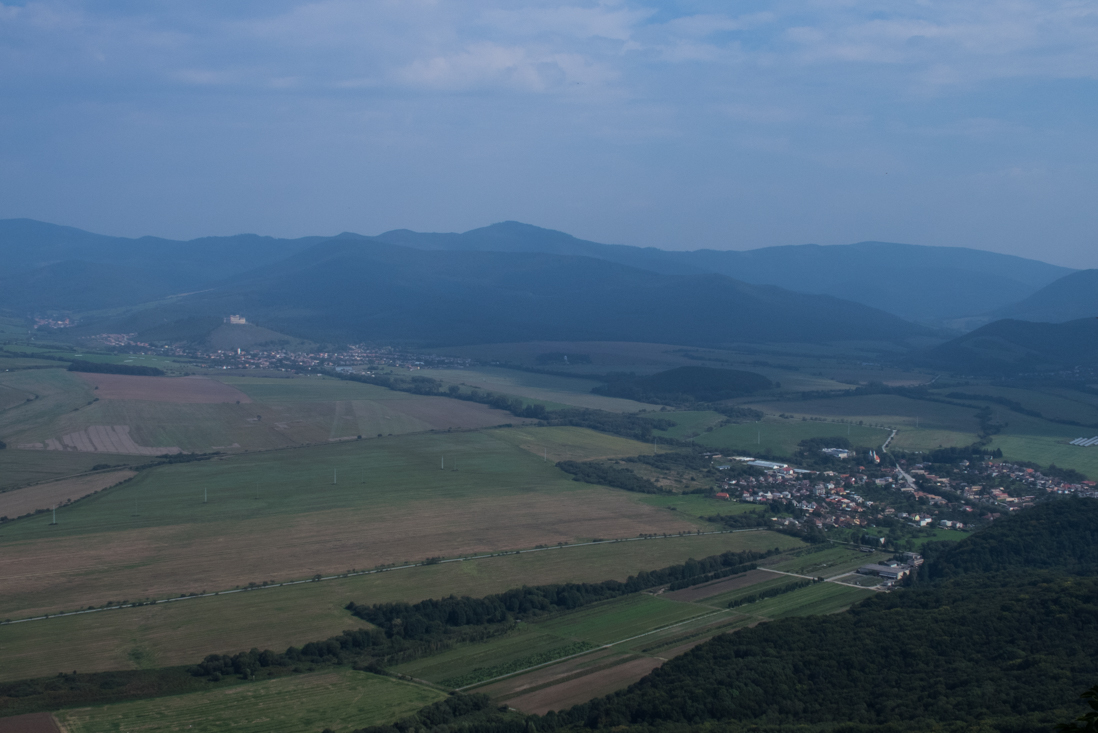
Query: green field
(286, 412)
(340, 700)
(275, 618)
(818, 598)
(828, 563)
(547, 389)
(688, 424)
(780, 437)
(697, 505)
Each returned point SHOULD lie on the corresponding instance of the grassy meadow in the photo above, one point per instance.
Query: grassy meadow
(341, 700)
(279, 515)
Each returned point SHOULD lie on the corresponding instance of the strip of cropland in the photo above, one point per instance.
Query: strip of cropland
(340, 700)
(557, 662)
(278, 617)
(279, 515)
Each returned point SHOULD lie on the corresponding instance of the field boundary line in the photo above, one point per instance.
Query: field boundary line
(597, 648)
(375, 571)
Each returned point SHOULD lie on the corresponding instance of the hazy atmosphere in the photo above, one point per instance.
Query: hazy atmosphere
(486, 367)
(678, 125)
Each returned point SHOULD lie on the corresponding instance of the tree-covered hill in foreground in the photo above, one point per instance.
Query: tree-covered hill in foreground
(1006, 645)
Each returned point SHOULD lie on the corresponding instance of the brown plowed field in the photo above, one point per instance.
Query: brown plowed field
(188, 390)
(90, 569)
(46, 496)
(32, 723)
(581, 689)
(698, 592)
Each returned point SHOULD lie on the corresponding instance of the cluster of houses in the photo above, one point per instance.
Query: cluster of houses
(358, 358)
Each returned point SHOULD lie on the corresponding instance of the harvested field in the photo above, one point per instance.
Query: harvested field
(32, 723)
(100, 439)
(187, 390)
(581, 689)
(57, 493)
(164, 561)
(708, 590)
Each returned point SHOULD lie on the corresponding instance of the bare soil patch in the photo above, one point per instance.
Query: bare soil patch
(30, 723)
(697, 592)
(57, 493)
(50, 575)
(188, 390)
(100, 439)
(581, 689)
(513, 686)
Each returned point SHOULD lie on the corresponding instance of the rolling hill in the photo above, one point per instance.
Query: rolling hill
(77, 270)
(354, 288)
(1071, 297)
(915, 282)
(1008, 347)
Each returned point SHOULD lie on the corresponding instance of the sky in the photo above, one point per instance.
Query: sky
(728, 125)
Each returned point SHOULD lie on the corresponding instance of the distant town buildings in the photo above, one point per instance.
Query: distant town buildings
(236, 320)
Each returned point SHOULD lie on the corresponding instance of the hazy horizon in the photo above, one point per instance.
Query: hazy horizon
(675, 125)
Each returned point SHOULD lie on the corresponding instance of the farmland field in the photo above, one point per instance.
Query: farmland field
(550, 390)
(198, 414)
(275, 618)
(280, 515)
(780, 437)
(342, 699)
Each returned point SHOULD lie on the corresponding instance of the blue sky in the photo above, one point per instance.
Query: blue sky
(678, 125)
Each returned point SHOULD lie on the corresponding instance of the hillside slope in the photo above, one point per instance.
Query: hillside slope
(356, 288)
(1015, 347)
(1071, 297)
(911, 281)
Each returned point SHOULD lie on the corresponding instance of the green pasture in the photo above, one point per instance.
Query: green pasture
(340, 700)
(1054, 403)
(722, 600)
(278, 617)
(53, 393)
(622, 618)
(687, 423)
(526, 642)
(697, 505)
(830, 562)
(892, 411)
(816, 599)
(780, 437)
(547, 389)
(559, 443)
(384, 472)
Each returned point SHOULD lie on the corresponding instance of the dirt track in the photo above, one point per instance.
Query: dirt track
(187, 390)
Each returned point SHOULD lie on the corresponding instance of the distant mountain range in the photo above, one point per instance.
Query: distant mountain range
(516, 282)
(352, 288)
(928, 284)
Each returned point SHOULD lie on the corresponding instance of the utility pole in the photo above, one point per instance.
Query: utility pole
(205, 495)
(334, 481)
